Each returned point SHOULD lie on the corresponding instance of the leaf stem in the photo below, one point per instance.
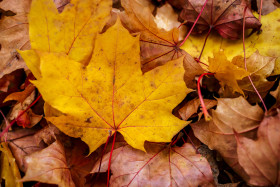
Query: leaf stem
(245, 63)
(260, 12)
(204, 109)
(9, 126)
(191, 141)
(194, 24)
(103, 153)
(109, 165)
(208, 33)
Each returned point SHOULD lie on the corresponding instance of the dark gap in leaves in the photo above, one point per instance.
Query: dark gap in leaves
(158, 3)
(6, 13)
(38, 108)
(95, 181)
(254, 5)
(188, 98)
(117, 4)
(226, 174)
(0, 44)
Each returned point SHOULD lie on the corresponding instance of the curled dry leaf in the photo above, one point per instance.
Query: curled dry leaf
(267, 42)
(8, 167)
(160, 166)
(20, 96)
(14, 35)
(231, 114)
(166, 18)
(111, 93)
(28, 119)
(192, 107)
(225, 16)
(10, 83)
(22, 143)
(49, 166)
(157, 45)
(21, 106)
(48, 134)
(261, 158)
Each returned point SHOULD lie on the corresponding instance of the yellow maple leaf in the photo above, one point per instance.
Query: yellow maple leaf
(267, 42)
(71, 32)
(8, 167)
(226, 72)
(111, 94)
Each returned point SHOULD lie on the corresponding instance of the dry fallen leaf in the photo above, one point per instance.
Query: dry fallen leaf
(231, 114)
(49, 166)
(223, 16)
(22, 143)
(20, 96)
(160, 166)
(79, 162)
(260, 67)
(71, 162)
(192, 107)
(267, 6)
(261, 158)
(111, 93)
(157, 45)
(166, 18)
(8, 168)
(14, 35)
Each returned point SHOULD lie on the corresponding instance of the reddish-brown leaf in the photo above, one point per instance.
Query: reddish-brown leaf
(22, 143)
(261, 158)
(49, 166)
(161, 166)
(231, 114)
(56, 164)
(225, 16)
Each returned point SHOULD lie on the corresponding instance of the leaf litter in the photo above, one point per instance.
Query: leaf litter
(97, 85)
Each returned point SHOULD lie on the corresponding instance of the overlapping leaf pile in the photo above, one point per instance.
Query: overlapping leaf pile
(119, 88)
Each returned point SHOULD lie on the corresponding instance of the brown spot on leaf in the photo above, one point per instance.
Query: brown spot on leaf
(88, 120)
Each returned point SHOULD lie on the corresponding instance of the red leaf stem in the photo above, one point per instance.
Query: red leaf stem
(204, 109)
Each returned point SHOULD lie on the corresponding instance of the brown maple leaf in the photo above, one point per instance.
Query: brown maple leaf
(261, 158)
(22, 143)
(162, 165)
(63, 165)
(231, 114)
(225, 16)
